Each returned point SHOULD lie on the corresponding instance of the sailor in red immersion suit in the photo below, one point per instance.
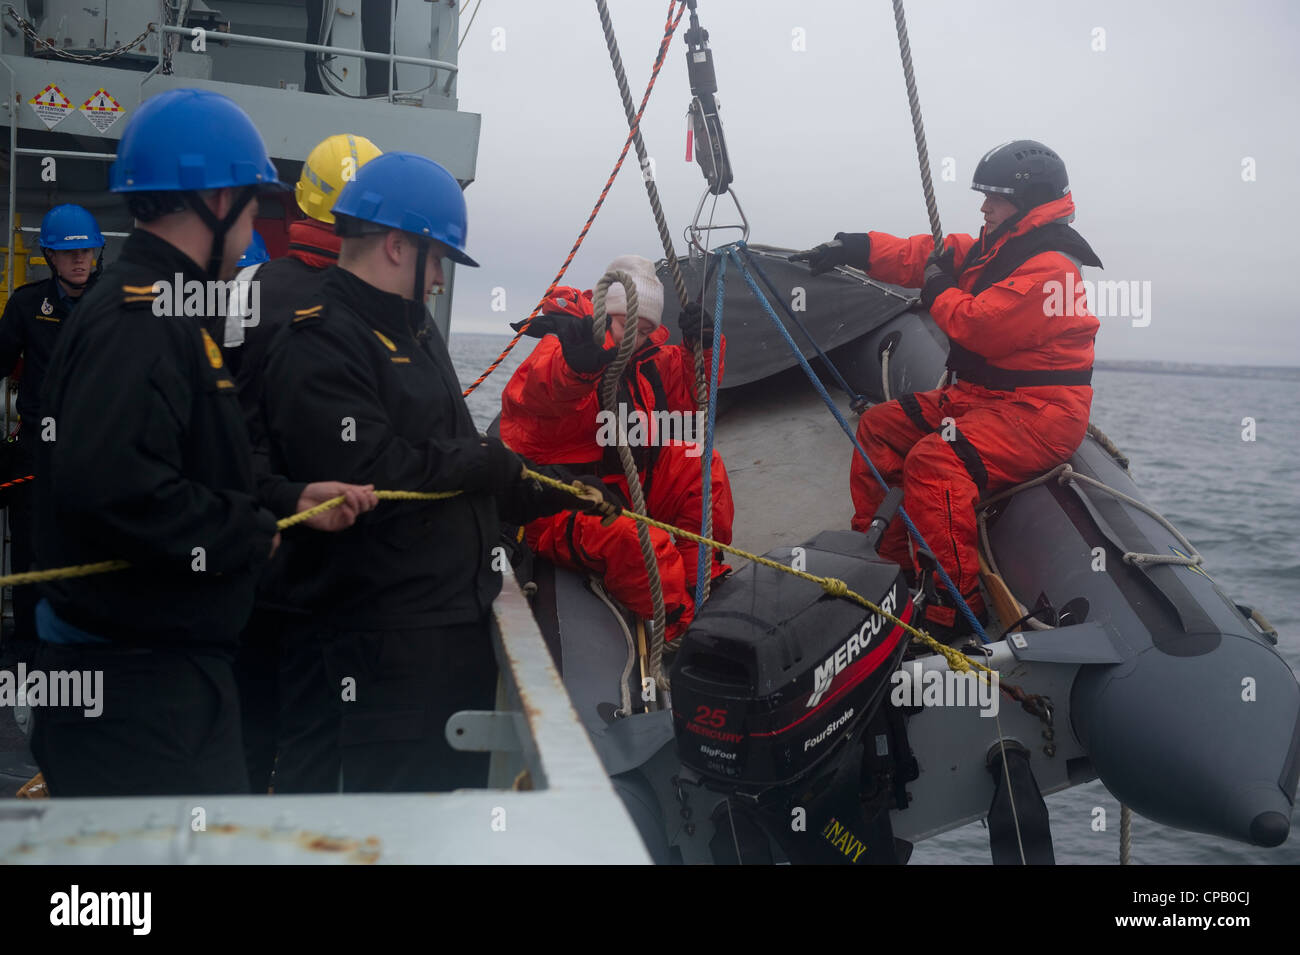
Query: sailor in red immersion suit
(1021, 351)
(551, 413)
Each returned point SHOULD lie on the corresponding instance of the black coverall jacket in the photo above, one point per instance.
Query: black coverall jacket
(151, 460)
(283, 286)
(29, 328)
(359, 388)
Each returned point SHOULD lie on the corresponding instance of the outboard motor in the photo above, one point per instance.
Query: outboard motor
(777, 692)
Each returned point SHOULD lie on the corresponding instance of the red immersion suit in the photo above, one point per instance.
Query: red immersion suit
(1022, 349)
(549, 414)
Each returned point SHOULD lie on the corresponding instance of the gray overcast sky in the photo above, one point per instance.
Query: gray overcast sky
(1154, 130)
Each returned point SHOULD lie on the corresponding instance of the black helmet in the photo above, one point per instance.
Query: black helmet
(1025, 172)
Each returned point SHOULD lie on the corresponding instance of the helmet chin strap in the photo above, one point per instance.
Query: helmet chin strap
(220, 227)
(416, 317)
(77, 286)
(422, 255)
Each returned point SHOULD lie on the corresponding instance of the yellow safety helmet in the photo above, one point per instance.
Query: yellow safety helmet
(332, 164)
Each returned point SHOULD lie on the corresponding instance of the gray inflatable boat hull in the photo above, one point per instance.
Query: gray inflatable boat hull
(1160, 685)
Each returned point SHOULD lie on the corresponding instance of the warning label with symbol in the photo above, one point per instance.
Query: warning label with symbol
(51, 106)
(101, 109)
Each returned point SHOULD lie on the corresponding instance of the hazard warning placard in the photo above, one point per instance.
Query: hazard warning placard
(51, 106)
(101, 110)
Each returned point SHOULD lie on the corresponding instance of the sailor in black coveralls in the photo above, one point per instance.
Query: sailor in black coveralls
(279, 666)
(359, 384)
(150, 462)
(71, 243)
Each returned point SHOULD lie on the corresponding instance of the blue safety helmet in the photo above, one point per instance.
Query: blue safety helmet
(182, 142)
(408, 192)
(256, 252)
(70, 227)
(187, 140)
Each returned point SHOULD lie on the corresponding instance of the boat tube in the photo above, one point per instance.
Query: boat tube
(1153, 679)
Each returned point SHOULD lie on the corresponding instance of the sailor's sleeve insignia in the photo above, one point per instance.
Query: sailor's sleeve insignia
(213, 352)
(138, 294)
(302, 314)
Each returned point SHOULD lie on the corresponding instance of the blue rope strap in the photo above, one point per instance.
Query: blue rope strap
(731, 252)
(704, 567)
(835, 372)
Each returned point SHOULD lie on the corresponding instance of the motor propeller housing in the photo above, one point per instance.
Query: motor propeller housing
(775, 673)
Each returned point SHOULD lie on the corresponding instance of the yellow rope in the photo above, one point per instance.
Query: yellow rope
(336, 501)
(832, 585)
(104, 566)
(79, 570)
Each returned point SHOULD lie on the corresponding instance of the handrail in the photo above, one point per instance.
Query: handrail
(65, 153)
(313, 48)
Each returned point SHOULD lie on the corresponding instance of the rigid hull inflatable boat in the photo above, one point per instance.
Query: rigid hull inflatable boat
(799, 726)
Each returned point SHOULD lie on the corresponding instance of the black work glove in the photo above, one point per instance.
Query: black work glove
(689, 321)
(939, 275)
(582, 354)
(546, 324)
(505, 469)
(610, 504)
(544, 500)
(847, 248)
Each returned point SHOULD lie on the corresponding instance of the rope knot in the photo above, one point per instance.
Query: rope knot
(956, 661)
(835, 587)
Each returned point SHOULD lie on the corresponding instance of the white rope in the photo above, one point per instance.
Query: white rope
(1064, 473)
(1002, 747)
(625, 695)
(918, 128)
(609, 397)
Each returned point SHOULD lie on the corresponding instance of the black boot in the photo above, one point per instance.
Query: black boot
(941, 616)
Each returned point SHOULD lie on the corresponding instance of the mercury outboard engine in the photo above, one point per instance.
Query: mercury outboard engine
(777, 693)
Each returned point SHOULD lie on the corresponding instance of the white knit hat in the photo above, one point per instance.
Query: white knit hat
(649, 290)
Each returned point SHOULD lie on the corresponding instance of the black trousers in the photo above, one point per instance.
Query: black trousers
(169, 726)
(371, 707)
(307, 724)
(258, 667)
(22, 552)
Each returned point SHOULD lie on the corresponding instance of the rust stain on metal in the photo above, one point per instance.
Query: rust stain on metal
(531, 712)
(319, 843)
(353, 850)
(101, 838)
(360, 851)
